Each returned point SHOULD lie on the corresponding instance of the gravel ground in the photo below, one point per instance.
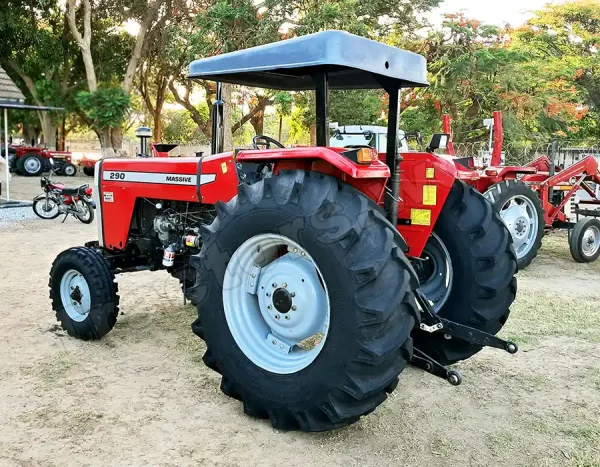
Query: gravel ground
(142, 396)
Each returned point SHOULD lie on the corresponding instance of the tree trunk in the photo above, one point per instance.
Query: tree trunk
(227, 133)
(48, 129)
(116, 138)
(158, 127)
(258, 121)
(105, 141)
(313, 134)
(280, 127)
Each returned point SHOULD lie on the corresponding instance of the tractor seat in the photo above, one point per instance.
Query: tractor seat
(80, 190)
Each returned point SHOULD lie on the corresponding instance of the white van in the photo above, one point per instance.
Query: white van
(364, 135)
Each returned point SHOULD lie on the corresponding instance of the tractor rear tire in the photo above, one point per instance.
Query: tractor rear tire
(483, 264)
(499, 195)
(30, 164)
(359, 260)
(84, 293)
(584, 241)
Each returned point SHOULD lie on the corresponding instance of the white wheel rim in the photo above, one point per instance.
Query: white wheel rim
(75, 295)
(32, 164)
(438, 267)
(83, 210)
(69, 170)
(520, 217)
(48, 207)
(276, 303)
(591, 241)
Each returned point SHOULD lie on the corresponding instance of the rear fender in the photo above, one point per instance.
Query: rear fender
(120, 182)
(425, 183)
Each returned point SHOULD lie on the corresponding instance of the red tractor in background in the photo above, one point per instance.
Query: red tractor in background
(318, 273)
(531, 199)
(33, 161)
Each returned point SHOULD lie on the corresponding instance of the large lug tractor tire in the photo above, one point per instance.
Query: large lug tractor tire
(471, 253)
(584, 241)
(521, 210)
(89, 171)
(305, 301)
(30, 164)
(84, 293)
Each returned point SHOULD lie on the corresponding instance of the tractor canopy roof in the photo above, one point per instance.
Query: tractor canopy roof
(351, 62)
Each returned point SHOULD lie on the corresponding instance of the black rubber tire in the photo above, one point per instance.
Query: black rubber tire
(90, 207)
(373, 309)
(500, 193)
(21, 164)
(70, 170)
(38, 201)
(89, 171)
(576, 240)
(484, 265)
(101, 282)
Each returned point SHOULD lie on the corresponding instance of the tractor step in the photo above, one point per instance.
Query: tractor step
(425, 362)
(430, 322)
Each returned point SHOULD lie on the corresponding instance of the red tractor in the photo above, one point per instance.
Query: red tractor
(33, 161)
(532, 198)
(318, 273)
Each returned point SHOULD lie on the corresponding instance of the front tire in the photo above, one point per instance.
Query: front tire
(84, 293)
(483, 265)
(315, 224)
(46, 207)
(69, 170)
(584, 241)
(521, 210)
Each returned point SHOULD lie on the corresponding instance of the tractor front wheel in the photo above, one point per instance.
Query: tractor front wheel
(521, 210)
(84, 293)
(467, 270)
(305, 301)
(584, 241)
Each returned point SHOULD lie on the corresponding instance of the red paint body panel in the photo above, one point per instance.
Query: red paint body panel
(116, 215)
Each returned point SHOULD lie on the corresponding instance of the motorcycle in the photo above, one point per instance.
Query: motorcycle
(57, 199)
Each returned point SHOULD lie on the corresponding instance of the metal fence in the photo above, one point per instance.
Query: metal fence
(520, 152)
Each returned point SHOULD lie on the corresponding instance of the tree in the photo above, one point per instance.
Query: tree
(146, 14)
(40, 56)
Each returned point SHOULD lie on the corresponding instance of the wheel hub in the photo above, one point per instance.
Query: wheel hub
(520, 217)
(75, 295)
(32, 164)
(591, 241)
(435, 272)
(282, 300)
(276, 303)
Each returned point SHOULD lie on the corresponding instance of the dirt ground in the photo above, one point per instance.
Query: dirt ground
(141, 396)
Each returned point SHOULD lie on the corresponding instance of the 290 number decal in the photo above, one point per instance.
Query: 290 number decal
(117, 176)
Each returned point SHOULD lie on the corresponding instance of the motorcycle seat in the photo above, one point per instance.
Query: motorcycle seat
(80, 190)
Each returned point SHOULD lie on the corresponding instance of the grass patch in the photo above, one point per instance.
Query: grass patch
(535, 316)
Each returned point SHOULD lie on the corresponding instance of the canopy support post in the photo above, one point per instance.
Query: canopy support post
(216, 142)
(322, 107)
(393, 158)
(6, 154)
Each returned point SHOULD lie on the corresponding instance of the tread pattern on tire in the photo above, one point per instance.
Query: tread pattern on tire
(499, 193)
(484, 254)
(102, 284)
(383, 284)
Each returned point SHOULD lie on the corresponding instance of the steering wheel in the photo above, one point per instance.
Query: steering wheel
(263, 140)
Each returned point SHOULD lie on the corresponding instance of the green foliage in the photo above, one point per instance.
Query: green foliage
(178, 127)
(105, 108)
(356, 107)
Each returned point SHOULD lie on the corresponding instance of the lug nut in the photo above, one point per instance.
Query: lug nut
(269, 307)
(293, 294)
(276, 316)
(274, 285)
(268, 294)
(274, 342)
(287, 316)
(295, 250)
(284, 285)
(294, 307)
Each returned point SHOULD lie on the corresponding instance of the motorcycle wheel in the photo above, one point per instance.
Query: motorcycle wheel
(83, 211)
(46, 207)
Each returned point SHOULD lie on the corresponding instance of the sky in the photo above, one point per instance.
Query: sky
(514, 12)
